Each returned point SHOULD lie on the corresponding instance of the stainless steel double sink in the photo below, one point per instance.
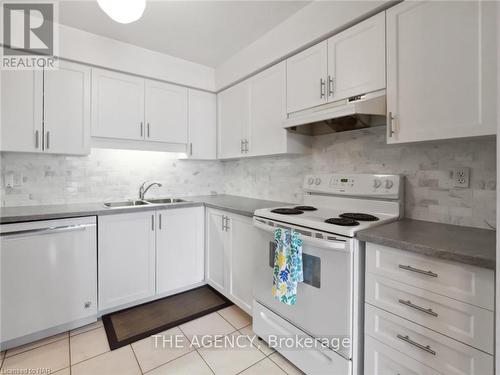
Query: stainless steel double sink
(133, 203)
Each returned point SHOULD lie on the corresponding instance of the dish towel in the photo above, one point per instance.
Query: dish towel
(287, 270)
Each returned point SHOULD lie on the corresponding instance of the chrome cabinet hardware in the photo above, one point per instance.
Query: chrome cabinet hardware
(245, 143)
(425, 348)
(222, 223)
(191, 149)
(390, 127)
(47, 143)
(153, 222)
(418, 270)
(330, 86)
(241, 145)
(322, 84)
(148, 128)
(419, 308)
(227, 223)
(159, 221)
(37, 139)
(142, 129)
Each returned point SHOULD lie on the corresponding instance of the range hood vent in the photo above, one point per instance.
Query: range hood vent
(357, 112)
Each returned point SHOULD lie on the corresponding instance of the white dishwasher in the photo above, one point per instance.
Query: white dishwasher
(48, 278)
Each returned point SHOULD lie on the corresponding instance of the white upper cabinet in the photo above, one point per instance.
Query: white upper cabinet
(22, 110)
(117, 105)
(202, 125)
(233, 120)
(166, 112)
(67, 109)
(306, 78)
(441, 70)
(356, 59)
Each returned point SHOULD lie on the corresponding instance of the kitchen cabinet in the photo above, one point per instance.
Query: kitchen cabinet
(441, 70)
(202, 125)
(166, 115)
(179, 249)
(117, 105)
(55, 115)
(349, 63)
(126, 258)
(356, 59)
(48, 278)
(67, 109)
(230, 247)
(233, 114)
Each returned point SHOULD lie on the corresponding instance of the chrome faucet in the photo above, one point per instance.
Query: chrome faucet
(143, 189)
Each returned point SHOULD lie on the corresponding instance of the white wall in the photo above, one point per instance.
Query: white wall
(311, 23)
(93, 49)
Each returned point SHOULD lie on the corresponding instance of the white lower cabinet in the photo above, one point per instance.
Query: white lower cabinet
(126, 258)
(231, 242)
(179, 249)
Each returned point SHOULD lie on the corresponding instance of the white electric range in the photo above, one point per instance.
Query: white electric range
(329, 308)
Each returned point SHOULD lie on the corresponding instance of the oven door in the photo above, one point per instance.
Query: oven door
(324, 300)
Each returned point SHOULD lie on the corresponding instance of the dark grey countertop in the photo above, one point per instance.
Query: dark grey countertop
(466, 245)
(232, 203)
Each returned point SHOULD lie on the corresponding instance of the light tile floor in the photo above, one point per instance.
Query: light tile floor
(85, 351)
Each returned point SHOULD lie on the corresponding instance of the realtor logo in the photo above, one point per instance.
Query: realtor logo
(28, 35)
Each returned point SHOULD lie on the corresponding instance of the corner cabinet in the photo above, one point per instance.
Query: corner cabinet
(202, 125)
(231, 243)
(55, 115)
(441, 70)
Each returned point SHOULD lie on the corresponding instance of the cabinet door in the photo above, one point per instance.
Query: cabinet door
(202, 124)
(67, 109)
(267, 111)
(166, 112)
(179, 248)
(356, 59)
(441, 70)
(117, 105)
(21, 111)
(126, 258)
(215, 245)
(306, 75)
(233, 118)
(243, 242)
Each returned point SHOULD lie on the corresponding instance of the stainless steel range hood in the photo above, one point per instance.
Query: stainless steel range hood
(357, 112)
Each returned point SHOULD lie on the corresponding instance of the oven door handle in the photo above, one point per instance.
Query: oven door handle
(308, 240)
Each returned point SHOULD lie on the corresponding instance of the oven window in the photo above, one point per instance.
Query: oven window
(311, 266)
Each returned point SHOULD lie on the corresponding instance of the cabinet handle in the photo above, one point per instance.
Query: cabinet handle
(418, 270)
(227, 224)
(390, 128)
(407, 339)
(159, 221)
(37, 139)
(48, 140)
(241, 146)
(246, 145)
(148, 129)
(153, 223)
(330, 86)
(321, 88)
(419, 308)
(222, 221)
(142, 129)
(191, 149)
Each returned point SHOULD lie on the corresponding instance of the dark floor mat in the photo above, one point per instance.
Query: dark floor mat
(127, 326)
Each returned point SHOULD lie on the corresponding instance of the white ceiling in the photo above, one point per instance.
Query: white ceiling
(205, 32)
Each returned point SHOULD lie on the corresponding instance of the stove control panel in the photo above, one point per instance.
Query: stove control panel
(361, 185)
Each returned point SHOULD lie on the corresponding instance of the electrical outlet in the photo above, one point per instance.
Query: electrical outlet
(461, 177)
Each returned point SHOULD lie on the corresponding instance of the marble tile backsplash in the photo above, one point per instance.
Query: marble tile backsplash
(116, 174)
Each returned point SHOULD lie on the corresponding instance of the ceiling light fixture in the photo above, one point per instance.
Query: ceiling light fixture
(123, 11)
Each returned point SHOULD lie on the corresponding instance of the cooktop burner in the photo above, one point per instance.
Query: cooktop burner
(306, 208)
(287, 211)
(359, 216)
(342, 221)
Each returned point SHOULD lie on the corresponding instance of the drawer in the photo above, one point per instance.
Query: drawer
(437, 351)
(383, 360)
(318, 360)
(469, 324)
(462, 282)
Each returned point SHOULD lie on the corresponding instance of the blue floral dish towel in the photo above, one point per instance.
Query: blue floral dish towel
(287, 271)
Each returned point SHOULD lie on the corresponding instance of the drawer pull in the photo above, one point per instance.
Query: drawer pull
(419, 308)
(417, 270)
(425, 348)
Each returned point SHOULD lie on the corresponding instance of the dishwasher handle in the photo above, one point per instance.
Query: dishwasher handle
(48, 230)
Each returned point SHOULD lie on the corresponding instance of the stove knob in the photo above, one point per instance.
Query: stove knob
(310, 180)
(317, 181)
(388, 184)
(377, 183)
